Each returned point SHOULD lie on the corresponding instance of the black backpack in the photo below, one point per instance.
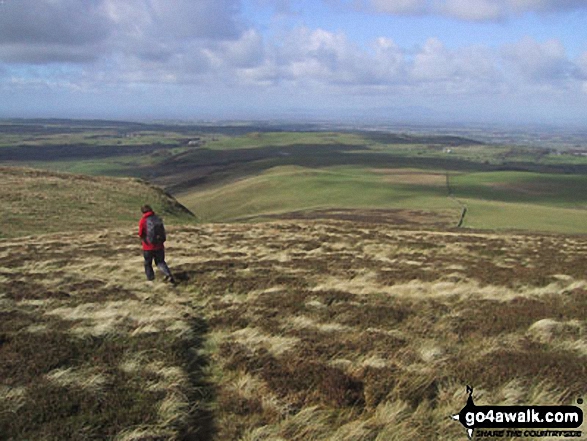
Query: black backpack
(155, 230)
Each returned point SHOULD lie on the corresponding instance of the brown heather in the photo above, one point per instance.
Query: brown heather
(288, 330)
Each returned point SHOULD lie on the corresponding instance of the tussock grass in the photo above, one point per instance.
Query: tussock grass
(388, 326)
(306, 330)
(84, 379)
(39, 202)
(255, 339)
(12, 399)
(84, 354)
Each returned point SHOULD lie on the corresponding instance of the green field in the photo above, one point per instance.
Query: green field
(501, 215)
(293, 188)
(232, 173)
(495, 200)
(540, 192)
(524, 200)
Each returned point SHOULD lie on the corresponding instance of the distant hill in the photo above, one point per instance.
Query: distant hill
(36, 202)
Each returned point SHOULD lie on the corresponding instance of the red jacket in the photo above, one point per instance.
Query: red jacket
(143, 233)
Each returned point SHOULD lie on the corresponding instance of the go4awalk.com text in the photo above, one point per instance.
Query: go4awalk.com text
(520, 421)
(480, 433)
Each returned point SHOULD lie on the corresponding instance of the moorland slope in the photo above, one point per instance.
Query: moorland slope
(36, 202)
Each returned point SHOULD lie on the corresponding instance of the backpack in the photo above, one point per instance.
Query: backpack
(155, 230)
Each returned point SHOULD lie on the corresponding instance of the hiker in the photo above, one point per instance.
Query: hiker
(152, 234)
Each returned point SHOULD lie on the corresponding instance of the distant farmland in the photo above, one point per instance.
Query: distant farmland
(236, 173)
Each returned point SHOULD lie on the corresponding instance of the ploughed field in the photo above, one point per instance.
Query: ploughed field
(306, 329)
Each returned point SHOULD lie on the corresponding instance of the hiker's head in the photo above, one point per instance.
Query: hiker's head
(146, 208)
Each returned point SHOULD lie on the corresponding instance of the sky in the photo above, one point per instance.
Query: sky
(448, 61)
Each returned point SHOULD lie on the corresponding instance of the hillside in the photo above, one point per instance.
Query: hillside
(36, 202)
(495, 200)
(267, 174)
(294, 330)
(225, 173)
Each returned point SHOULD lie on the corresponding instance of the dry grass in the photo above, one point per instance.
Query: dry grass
(384, 327)
(313, 330)
(88, 349)
(36, 202)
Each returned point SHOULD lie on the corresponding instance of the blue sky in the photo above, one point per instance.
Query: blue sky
(512, 61)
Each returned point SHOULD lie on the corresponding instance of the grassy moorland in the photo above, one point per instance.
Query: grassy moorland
(351, 310)
(37, 202)
(290, 330)
(88, 350)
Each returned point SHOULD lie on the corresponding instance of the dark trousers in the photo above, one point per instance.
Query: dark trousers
(159, 257)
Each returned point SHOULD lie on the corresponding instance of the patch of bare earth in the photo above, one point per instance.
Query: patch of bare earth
(399, 218)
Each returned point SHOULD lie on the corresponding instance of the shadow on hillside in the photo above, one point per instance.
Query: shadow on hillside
(208, 167)
(201, 425)
(211, 167)
(399, 218)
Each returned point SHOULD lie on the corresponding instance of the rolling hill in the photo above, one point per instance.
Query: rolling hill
(495, 200)
(35, 201)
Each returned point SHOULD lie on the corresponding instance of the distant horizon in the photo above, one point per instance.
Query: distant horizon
(276, 120)
(411, 116)
(549, 136)
(437, 61)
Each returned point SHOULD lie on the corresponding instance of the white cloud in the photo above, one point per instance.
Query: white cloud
(66, 22)
(175, 20)
(41, 31)
(400, 6)
(546, 5)
(316, 58)
(331, 58)
(49, 53)
(282, 7)
(390, 60)
(306, 54)
(582, 64)
(207, 46)
(246, 52)
(539, 62)
(433, 62)
(473, 10)
(439, 70)
(468, 10)
(46, 31)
